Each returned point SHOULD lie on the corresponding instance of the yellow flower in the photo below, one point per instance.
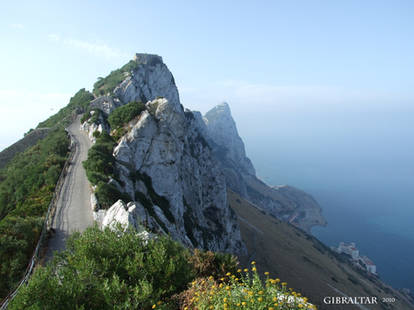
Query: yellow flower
(246, 270)
(275, 299)
(266, 273)
(154, 306)
(300, 306)
(277, 280)
(254, 269)
(260, 292)
(271, 308)
(253, 263)
(260, 299)
(227, 288)
(243, 303)
(228, 274)
(239, 270)
(284, 283)
(225, 299)
(159, 303)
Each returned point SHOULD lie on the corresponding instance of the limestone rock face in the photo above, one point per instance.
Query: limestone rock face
(166, 164)
(284, 202)
(223, 131)
(150, 80)
(90, 127)
(106, 104)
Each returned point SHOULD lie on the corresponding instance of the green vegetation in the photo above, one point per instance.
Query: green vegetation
(245, 290)
(80, 100)
(97, 113)
(106, 85)
(100, 167)
(100, 163)
(113, 270)
(124, 114)
(26, 189)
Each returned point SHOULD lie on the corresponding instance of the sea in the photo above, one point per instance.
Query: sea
(360, 169)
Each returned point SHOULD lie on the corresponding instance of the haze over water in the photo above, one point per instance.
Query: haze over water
(357, 161)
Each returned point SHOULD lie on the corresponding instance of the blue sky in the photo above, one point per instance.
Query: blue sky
(265, 54)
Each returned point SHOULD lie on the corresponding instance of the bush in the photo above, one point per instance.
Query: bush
(108, 194)
(100, 163)
(243, 289)
(124, 114)
(108, 270)
(207, 263)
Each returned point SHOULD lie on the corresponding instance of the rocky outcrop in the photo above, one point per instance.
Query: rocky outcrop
(284, 202)
(150, 80)
(222, 129)
(105, 103)
(165, 163)
(166, 166)
(97, 125)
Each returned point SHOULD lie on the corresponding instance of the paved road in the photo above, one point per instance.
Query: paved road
(73, 212)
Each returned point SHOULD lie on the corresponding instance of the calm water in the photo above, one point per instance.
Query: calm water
(359, 166)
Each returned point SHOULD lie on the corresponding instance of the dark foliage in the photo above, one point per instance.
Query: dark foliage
(124, 114)
(27, 186)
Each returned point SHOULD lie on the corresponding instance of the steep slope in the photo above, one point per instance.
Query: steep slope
(304, 262)
(23, 144)
(285, 202)
(164, 164)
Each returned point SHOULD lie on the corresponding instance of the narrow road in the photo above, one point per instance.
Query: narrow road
(73, 212)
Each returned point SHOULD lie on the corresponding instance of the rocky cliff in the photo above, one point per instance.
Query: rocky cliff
(284, 202)
(176, 165)
(166, 166)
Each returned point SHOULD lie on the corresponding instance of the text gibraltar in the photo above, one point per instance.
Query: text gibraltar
(333, 300)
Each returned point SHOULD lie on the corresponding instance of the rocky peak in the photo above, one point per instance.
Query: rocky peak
(147, 59)
(222, 130)
(149, 80)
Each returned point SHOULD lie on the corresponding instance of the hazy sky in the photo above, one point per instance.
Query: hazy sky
(257, 55)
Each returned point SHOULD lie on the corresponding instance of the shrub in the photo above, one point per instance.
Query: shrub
(124, 114)
(100, 163)
(108, 194)
(243, 289)
(108, 270)
(207, 263)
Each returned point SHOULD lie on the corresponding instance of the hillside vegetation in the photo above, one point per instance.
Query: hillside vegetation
(107, 84)
(26, 189)
(112, 269)
(80, 100)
